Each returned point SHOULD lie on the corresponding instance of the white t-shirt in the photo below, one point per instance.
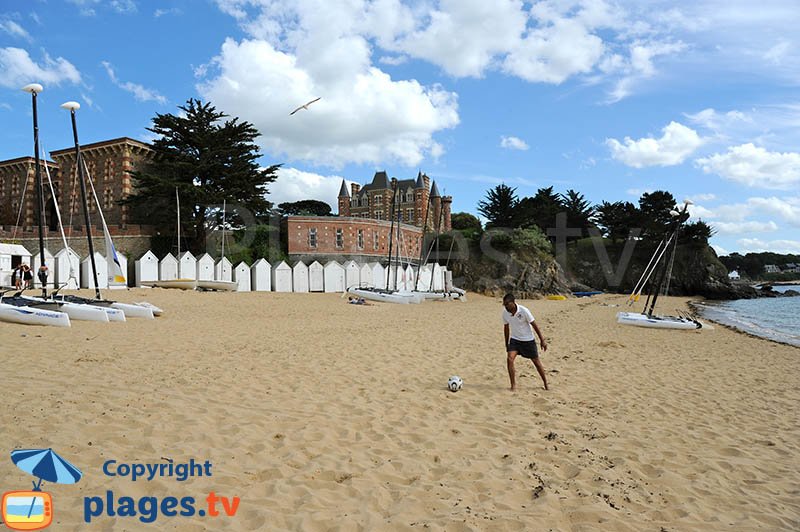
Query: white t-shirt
(519, 323)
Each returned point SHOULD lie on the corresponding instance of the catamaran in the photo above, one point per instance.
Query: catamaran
(659, 263)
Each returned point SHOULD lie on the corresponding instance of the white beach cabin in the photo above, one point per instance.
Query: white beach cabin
(378, 275)
(68, 268)
(48, 259)
(316, 277)
(146, 268)
(11, 256)
(102, 272)
(187, 266)
(241, 275)
(365, 276)
(300, 277)
(352, 274)
(205, 268)
(334, 277)
(168, 268)
(223, 270)
(261, 276)
(282, 277)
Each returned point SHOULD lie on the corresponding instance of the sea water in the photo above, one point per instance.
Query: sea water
(774, 318)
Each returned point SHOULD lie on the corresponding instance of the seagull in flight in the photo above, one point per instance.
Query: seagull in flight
(305, 106)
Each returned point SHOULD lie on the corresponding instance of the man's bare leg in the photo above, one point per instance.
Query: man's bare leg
(540, 369)
(511, 374)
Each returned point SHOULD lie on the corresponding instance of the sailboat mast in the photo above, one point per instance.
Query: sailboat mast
(391, 232)
(422, 244)
(72, 106)
(178, 210)
(34, 88)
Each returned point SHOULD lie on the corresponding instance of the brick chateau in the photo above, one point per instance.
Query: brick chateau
(361, 231)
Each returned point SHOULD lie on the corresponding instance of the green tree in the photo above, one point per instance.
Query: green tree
(655, 208)
(209, 159)
(579, 210)
(305, 208)
(465, 220)
(498, 207)
(540, 210)
(617, 219)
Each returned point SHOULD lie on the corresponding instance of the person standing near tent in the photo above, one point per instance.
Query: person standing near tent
(518, 328)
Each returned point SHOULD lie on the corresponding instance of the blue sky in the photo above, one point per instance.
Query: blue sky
(610, 98)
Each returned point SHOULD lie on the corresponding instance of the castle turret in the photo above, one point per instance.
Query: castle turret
(447, 202)
(344, 200)
(434, 220)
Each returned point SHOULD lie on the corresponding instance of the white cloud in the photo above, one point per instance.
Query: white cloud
(638, 191)
(674, 146)
(513, 143)
(18, 69)
(778, 52)
(737, 228)
(394, 60)
(638, 66)
(125, 7)
(718, 122)
(702, 197)
(296, 185)
(756, 245)
(364, 116)
(721, 251)
(139, 92)
(14, 29)
(162, 12)
(787, 208)
(698, 211)
(754, 166)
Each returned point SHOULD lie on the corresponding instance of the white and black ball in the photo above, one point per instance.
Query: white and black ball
(454, 383)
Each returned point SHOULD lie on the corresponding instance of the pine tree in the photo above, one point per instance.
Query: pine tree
(498, 207)
(208, 158)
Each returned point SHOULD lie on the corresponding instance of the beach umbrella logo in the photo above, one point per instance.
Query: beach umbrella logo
(33, 509)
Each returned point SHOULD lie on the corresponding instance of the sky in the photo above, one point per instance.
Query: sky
(608, 98)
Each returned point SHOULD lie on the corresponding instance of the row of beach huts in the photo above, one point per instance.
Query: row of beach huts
(66, 268)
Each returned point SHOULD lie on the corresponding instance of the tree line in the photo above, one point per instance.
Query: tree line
(616, 221)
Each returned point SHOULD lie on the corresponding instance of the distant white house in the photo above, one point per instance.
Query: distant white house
(771, 268)
(733, 275)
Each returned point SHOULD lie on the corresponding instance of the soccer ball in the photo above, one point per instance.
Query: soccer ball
(455, 383)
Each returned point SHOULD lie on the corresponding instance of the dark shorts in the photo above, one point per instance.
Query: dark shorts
(524, 349)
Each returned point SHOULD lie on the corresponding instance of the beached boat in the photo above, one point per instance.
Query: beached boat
(385, 296)
(663, 265)
(180, 284)
(657, 322)
(76, 311)
(129, 309)
(32, 316)
(222, 286)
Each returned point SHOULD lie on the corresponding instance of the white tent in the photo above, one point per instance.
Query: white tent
(261, 276)
(241, 274)
(187, 266)
(205, 268)
(334, 277)
(102, 272)
(48, 260)
(68, 262)
(223, 270)
(168, 268)
(11, 254)
(438, 277)
(365, 275)
(352, 274)
(378, 275)
(300, 277)
(316, 277)
(146, 268)
(282, 277)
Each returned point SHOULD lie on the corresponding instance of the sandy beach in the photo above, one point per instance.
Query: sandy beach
(321, 415)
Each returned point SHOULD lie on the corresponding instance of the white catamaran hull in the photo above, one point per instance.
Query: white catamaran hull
(438, 295)
(134, 311)
(75, 311)
(32, 316)
(225, 286)
(180, 284)
(386, 296)
(656, 322)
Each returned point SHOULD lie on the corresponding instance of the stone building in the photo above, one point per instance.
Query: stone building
(361, 231)
(109, 163)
